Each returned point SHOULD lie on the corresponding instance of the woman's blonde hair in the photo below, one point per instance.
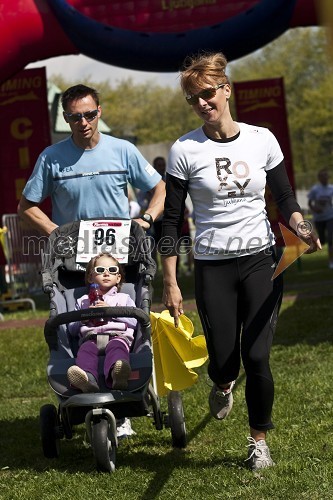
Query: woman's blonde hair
(201, 69)
(92, 264)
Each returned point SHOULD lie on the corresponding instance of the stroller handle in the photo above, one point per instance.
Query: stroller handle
(51, 325)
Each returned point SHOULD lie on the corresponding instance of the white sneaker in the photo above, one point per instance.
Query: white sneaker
(221, 401)
(258, 455)
(124, 428)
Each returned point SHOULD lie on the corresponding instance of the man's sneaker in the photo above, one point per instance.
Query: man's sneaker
(120, 374)
(124, 428)
(79, 379)
(221, 401)
(258, 454)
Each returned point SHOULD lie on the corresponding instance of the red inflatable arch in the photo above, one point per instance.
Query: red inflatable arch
(149, 35)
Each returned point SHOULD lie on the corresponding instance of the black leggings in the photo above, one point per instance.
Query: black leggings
(238, 304)
(325, 231)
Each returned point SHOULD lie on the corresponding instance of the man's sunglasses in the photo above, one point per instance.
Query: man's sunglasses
(102, 269)
(205, 94)
(77, 117)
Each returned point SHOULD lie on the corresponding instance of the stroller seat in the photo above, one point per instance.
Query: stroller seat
(140, 355)
(63, 281)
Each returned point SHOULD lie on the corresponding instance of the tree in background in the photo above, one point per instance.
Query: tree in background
(151, 113)
(301, 57)
(147, 112)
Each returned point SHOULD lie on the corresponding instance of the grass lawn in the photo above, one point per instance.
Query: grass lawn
(212, 466)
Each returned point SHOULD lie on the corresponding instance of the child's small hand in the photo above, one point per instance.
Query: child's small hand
(100, 303)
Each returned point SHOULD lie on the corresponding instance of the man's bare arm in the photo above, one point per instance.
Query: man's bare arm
(35, 217)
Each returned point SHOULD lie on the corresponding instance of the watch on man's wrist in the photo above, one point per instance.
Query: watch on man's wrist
(147, 218)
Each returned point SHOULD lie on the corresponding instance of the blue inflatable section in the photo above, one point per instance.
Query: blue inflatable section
(235, 37)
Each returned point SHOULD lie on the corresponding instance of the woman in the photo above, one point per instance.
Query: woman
(224, 166)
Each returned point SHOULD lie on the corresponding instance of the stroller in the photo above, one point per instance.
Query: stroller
(63, 281)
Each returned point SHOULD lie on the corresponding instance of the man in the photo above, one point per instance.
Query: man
(87, 175)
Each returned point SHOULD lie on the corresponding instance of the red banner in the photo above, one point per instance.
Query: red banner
(262, 103)
(24, 132)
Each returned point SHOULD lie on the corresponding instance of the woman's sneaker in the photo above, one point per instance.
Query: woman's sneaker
(221, 401)
(79, 379)
(258, 455)
(120, 374)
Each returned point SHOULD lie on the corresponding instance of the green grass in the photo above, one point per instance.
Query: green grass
(212, 466)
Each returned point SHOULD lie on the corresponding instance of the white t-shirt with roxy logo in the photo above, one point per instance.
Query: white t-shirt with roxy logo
(227, 183)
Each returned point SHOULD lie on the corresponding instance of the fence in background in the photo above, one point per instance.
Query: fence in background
(22, 248)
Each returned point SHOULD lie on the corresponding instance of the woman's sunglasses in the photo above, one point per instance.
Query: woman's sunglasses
(205, 94)
(77, 117)
(102, 269)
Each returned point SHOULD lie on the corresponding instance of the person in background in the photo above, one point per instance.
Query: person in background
(159, 164)
(186, 244)
(86, 175)
(134, 207)
(225, 165)
(320, 199)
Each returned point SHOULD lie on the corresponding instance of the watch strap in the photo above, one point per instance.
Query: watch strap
(147, 218)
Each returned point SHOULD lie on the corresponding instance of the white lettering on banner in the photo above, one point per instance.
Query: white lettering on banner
(96, 236)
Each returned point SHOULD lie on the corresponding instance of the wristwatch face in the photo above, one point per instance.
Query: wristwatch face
(148, 218)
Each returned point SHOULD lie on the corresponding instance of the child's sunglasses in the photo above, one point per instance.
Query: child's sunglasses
(205, 94)
(102, 269)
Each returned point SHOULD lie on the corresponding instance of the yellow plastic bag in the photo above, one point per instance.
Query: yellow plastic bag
(176, 352)
(3, 231)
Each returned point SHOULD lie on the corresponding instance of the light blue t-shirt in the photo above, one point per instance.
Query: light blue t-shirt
(89, 183)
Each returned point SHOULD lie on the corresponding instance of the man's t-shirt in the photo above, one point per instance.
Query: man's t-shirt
(87, 184)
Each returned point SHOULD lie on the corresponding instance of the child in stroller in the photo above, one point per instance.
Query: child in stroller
(106, 272)
(63, 281)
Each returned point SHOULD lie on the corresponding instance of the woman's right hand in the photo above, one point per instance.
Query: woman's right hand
(173, 300)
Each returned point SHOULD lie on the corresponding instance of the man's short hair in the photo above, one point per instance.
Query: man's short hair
(78, 92)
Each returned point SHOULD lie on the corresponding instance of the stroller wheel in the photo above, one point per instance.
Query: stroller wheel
(176, 420)
(103, 447)
(49, 429)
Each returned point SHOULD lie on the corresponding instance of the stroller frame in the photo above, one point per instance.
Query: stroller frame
(100, 411)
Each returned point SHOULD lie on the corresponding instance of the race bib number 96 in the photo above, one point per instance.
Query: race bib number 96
(96, 236)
